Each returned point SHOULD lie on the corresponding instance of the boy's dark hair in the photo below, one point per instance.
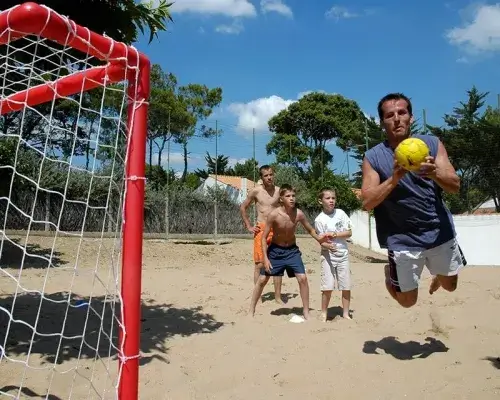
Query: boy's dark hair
(393, 96)
(286, 188)
(324, 190)
(264, 168)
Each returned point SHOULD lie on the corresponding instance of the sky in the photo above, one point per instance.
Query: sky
(266, 54)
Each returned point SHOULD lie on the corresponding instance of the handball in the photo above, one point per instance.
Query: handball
(410, 153)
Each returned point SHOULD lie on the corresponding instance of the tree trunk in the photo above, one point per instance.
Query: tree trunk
(161, 148)
(151, 152)
(185, 150)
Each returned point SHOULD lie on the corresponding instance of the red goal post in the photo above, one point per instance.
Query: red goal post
(122, 63)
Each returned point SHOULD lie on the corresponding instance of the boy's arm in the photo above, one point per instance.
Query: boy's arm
(347, 222)
(265, 234)
(309, 229)
(320, 230)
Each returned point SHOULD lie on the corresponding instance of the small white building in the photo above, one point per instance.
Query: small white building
(236, 187)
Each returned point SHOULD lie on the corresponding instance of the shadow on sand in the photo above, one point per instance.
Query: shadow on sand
(12, 252)
(405, 350)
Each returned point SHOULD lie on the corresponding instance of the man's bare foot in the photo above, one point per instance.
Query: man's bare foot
(346, 316)
(279, 300)
(435, 285)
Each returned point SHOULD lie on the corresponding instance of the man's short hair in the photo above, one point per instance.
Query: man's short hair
(393, 96)
(264, 168)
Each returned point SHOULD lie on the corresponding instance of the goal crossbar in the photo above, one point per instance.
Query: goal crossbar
(122, 62)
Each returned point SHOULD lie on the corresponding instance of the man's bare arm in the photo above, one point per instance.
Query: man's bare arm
(445, 175)
(372, 191)
(251, 197)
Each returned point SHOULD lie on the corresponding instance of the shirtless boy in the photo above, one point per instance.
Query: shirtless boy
(266, 198)
(283, 254)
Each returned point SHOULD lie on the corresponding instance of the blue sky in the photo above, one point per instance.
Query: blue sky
(266, 53)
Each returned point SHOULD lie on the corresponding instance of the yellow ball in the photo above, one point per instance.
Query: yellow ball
(410, 153)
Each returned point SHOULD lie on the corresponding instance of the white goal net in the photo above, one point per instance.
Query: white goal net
(73, 109)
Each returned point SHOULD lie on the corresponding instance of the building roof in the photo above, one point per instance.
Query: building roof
(234, 181)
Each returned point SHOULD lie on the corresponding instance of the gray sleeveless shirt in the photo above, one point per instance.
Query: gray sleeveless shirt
(413, 216)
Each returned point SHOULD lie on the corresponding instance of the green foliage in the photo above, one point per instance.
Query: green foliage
(302, 130)
(118, 19)
(471, 140)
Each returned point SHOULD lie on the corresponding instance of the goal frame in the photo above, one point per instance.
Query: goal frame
(31, 19)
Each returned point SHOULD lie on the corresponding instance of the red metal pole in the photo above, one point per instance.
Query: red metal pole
(133, 234)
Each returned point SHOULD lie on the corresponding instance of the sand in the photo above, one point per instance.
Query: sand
(198, 343)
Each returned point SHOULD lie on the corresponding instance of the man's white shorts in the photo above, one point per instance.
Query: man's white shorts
(335, 273)
(406, 266)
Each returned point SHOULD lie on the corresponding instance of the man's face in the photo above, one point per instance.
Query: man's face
(267, 177)
(397, 119)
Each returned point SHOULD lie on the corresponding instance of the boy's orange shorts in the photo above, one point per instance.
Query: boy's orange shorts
(258, 255)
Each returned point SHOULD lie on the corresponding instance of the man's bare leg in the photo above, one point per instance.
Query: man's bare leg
(346, 303)
(326, 295)
(388, 284)
(448, 283)
(278, 281)
(257, 292)
(435, 285)
(256, 272)
(304, 293)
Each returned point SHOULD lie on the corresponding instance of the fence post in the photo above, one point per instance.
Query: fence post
(167, 202)
(216, 193)
(254, 175)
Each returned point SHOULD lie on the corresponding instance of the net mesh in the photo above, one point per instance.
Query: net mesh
(62, 187)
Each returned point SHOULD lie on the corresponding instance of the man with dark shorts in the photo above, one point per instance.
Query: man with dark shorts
(412, 220)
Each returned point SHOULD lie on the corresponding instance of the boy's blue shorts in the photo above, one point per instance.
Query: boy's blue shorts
(283, 259)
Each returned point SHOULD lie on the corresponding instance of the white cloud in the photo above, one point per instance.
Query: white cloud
(231, 162)
(481, 33)
(339, 12)
(233, 29)
(256, 113)
(230, 8)
(176, 159)
(277, 6)
(302, 94)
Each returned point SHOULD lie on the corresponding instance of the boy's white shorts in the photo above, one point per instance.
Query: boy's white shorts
(335, 273)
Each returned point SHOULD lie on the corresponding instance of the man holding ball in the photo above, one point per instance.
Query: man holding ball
(412, 221)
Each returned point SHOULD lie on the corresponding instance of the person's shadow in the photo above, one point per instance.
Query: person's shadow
(405, 350)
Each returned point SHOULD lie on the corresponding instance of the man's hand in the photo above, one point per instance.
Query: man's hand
(254, 229)
(267, 265)
(428, 168)
(398, 171)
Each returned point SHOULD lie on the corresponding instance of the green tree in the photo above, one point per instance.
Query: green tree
(464, 135)
(248, 169)
(200, 102)
(302, 131)
(121, 20)
(220, 162)
(168, 116)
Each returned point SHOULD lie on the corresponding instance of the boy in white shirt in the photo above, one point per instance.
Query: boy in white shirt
(335, 269)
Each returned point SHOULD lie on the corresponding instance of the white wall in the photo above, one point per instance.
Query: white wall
(478, 235)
